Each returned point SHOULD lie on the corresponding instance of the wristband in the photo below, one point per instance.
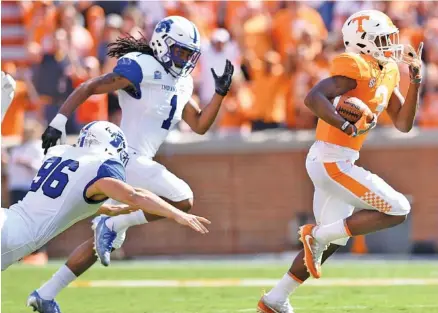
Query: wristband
(345, 125)
(416, 80)
(59, 122)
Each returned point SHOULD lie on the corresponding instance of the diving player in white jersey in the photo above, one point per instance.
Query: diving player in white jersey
(70, 186)
(154, 87)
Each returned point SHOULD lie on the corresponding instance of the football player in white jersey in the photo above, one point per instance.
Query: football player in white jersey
(154, 88)
(71, 185)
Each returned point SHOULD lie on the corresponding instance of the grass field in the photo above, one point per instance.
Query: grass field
(189, 287)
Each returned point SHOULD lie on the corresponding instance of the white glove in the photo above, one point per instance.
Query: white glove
(8, 92)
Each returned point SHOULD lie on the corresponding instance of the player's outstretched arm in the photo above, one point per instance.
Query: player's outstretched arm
(320, 96)
(145, 201)
(103, 84)
(114, 210)
(199, 120)
(402, 111)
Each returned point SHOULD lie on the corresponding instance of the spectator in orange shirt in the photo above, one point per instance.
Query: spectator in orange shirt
(40, 21)
(113, 28)
(96, 24)
(95, 108)
(234, 117)
(214, 54)
(254, 33)
(133, 21)
(288, 24)
(308, 63)
(429, 109)
(22, 103)
(79, 38)
(269, 87)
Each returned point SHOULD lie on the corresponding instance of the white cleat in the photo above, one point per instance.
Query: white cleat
(265, 306)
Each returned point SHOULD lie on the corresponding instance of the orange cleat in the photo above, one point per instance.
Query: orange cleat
(313, 250)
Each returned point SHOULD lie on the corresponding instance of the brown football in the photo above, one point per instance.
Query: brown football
(352, 108)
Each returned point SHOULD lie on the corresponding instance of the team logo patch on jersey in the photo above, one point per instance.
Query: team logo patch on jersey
(157, 75)
(372, 82)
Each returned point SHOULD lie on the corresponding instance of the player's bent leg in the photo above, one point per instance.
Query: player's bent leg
(144, 173)
(110, 232)
(298, 270)
(104, 236)
(365, 222)
(384, 206)
(327, 209)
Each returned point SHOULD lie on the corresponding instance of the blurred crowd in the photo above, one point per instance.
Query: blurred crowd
(282, 48)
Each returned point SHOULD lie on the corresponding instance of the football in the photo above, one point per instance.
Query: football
(352, 108)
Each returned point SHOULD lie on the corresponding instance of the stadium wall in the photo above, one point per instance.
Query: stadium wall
(253, 189)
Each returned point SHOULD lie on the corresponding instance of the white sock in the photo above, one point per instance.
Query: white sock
(330, 232)
(59, 281)
(280, 293)
(123, 221)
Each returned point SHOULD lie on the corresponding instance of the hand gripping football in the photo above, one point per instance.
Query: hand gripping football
(352, 108)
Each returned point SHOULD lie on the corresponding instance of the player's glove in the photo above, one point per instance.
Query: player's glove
(413, 59)
(54, 132)
(223, 83)
(362, 126)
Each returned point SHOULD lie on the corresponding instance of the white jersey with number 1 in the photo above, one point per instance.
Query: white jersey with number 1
(56, 200)
(154, 106)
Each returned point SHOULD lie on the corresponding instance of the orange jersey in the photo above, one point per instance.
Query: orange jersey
(374, 87)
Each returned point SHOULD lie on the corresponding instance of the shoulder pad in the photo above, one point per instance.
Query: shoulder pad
(351, 65)
(150, 67)
(393, 68)
(57, 151)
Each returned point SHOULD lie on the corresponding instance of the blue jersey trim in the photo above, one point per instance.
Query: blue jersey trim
(131, 70)
(110, 168)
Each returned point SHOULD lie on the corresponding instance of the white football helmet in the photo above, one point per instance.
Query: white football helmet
(104, 136)
(372, 32)
(176, 44)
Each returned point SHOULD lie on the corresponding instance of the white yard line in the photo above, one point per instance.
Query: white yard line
(251, 282)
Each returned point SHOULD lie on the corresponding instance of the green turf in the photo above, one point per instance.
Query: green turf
(19, 281)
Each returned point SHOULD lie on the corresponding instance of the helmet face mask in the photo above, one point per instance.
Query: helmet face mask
(372, 32)
(176, 45)
(105, 137)
(387, 46)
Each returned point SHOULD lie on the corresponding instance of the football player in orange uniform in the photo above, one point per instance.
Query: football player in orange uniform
(367, 70)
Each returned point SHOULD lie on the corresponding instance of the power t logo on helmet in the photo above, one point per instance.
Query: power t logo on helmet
(372, 32)
(359, 20)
